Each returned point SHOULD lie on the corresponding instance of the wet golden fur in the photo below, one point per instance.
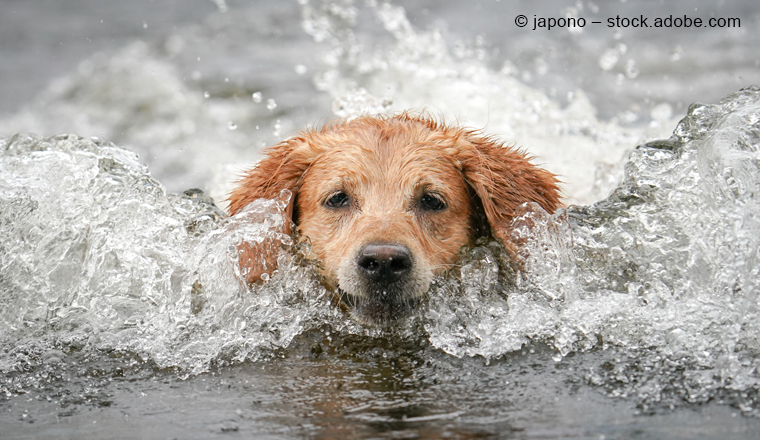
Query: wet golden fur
(389, 169)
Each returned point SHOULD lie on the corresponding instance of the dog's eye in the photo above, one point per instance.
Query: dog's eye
(431, 202)
(337, 200)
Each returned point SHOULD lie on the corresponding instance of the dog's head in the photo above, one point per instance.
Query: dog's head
(387, 203)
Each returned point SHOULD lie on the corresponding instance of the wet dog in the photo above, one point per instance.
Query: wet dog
(388, 202)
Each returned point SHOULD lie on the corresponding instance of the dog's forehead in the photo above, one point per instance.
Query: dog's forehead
(403, 160)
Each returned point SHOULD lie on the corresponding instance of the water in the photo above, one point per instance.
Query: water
(636, 316)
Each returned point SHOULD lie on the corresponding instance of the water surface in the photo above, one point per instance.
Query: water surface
(636, 315)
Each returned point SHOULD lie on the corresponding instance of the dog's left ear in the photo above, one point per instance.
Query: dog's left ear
(503, 178)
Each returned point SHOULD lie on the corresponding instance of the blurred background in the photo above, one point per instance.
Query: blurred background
(198, 87)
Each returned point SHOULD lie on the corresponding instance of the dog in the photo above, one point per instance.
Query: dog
(387, 203)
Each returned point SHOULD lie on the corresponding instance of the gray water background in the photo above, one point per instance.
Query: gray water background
(391, 389)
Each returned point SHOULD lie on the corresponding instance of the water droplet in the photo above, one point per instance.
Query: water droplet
(608, 59)
(509, 69)
(257, 97)
(631, 70)
(145, 25)
(232, 126)
(301, 69)
(277, 128)
(677, 54)
(271, 104)
(661, 112)
(542, 67)
(206, 95)
(221, 5)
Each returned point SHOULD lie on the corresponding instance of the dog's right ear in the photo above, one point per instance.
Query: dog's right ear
(282, 167)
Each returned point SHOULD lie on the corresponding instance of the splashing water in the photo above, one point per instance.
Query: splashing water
(96, 255)
(665, 270)
(659, 280)
(96, 252)
(419, 71)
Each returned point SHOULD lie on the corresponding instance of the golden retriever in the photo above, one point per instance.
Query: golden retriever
(388, 202)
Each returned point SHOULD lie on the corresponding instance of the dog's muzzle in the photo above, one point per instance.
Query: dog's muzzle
(386, 291)
(384, 264)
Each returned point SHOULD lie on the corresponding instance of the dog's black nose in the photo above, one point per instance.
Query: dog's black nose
(385, 263)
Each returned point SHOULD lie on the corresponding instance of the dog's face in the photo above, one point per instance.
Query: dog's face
(383, 217)
(387, 203)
